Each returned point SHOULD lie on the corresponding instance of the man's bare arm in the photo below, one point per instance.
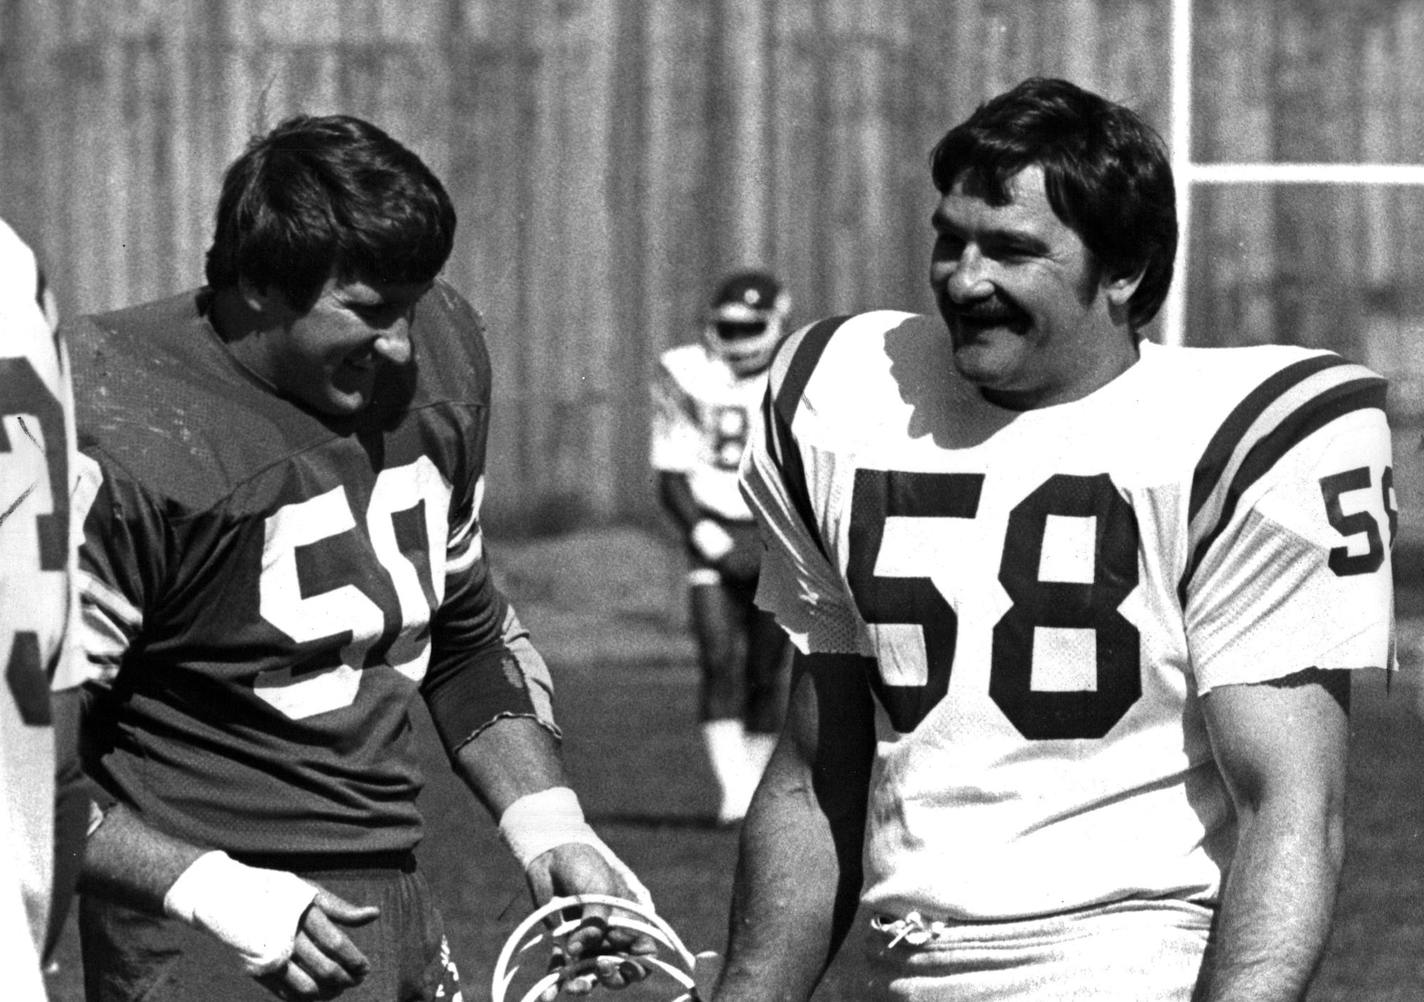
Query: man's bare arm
(1281, 747)
(799, 873)
(250, 909)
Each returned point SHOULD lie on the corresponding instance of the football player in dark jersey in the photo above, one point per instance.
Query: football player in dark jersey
(282, 474)
(706, 407)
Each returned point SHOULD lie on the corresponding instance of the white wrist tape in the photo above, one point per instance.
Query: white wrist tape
(252, 910)
(538, 822)
(711, 540)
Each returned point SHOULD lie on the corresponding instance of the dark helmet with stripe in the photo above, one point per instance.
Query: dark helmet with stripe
(744, 324)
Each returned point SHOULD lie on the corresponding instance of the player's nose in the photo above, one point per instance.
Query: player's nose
(393, 343)
(968, 277)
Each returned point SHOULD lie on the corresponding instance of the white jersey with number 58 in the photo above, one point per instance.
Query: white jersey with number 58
(1048, 594)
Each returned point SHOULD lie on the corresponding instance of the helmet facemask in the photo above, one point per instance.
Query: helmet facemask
(744, 325)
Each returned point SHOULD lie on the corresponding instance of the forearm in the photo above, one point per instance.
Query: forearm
(260, 914)
(516, 755)
(125, 857)
(1276, 908)
(548, 835)
(509, 759)
(796, 888)
(798, 878)
(1281, 747)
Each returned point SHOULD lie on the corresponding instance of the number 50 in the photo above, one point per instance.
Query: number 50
(348, 610)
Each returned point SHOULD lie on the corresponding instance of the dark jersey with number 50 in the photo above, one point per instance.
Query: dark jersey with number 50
(1047, 594)
(266, 587)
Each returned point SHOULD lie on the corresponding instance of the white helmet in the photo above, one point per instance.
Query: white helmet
(678, 962)
(744, 325)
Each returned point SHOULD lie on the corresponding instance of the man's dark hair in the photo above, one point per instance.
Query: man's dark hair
(1105, 169)
(323, 195)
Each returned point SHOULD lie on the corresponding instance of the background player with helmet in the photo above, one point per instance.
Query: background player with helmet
(1074, 613)
(282, 476)
(44, 811)
(706, 403)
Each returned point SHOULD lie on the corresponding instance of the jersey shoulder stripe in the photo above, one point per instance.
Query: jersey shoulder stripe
(792, 371)
(1223, 444)
(801, 356)
(1279, 414)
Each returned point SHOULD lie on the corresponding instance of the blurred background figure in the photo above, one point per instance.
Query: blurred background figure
(706, 405)
(43, 832)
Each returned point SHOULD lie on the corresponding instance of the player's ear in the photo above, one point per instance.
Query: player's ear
(259, 300)
(1117, 289)
(1119, 286)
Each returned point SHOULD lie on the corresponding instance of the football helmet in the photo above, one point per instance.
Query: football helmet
(744, 323)
(680, 964)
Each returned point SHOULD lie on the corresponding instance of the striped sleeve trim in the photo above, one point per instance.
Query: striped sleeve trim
(1274, 418)
(109, 622)
(466, 544)
(779, 410)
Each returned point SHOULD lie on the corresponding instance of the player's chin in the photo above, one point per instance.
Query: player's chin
(348, 392)
(988, 362)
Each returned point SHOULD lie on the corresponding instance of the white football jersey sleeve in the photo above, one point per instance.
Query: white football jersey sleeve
(37, 603)
(1047, 594)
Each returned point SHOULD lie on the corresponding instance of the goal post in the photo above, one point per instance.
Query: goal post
(1189, 174)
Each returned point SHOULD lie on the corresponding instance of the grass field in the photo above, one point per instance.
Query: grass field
(607, 610)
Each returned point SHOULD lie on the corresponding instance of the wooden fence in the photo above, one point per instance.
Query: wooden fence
(610, 158)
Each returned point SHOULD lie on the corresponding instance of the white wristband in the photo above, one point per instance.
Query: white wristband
(711, 540)
(538, 822)
(252, 910)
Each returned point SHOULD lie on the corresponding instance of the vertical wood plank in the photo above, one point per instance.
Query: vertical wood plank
(609, 159)
(744, 186)
(1233, 272)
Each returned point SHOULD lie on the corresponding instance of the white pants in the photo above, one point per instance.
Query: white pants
(1142, 951)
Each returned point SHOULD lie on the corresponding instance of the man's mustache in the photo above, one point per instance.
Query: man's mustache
(984, 311)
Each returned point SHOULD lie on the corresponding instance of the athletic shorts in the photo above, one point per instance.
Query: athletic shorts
(1144, 951)
(134, 956)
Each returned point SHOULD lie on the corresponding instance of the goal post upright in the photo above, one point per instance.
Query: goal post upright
(1188, 174)
(1180, 148)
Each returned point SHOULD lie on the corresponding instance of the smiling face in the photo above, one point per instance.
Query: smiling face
(328, 356)
(1032, 319)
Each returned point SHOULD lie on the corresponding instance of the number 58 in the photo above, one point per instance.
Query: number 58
(1355, 523)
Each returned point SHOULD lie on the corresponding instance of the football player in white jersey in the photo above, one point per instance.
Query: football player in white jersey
(706, 402)
(1075, 614)
(43, 831)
